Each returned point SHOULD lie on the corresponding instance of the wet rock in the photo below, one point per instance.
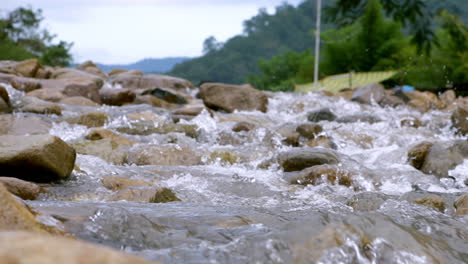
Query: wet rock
(5, 106)
(189, 110)
(322, 173)
(78, 101)
(460, 119)
(85, 86)
(391, 100)
(28, 248)
(224, 156)
(362, 140)
(47, 94)
(171, 155)
(321, 141)
(145, 116)
(462, 205)
(22, 125)
(118, 97)
(243, 126)
(299, 159)
(417, 154)
(150, 81)
(367, 201)
(16, 216)
(448, 97)
(289, 134)
(21, 83)
(40, 158)
(106, 149)
(23, 189)
(444, 156)
(154, 101)
(374, 92)
(38, 106)
(411, 121)
(26, 68)
(93, 119)
(149, 128)
(147, 195)
(365, 118)
(167, 95)
(424, 101)
(324, 114)
(118, 183)
(309, 131)
(101, 133)
(434, 202)
(233, 97)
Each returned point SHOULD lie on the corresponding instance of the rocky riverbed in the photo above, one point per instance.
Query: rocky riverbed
(123, 167)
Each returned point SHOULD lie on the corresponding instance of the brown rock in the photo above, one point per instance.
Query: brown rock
(20, 83)
(162, 155)
(91, 68)
(299, 159)
(460, 120)
(445, 156)
(38, 106)
(321, 141)
(78, 101)
(418, 153)
(101, 133)
(30, 248)
(309, 131)
(118, 183)
(434, 202)
(448, 97)
(462, 205)
(118, 97)
(228, 98)
(106, 149)
(23, 189)
(22, 125)
(154, 101)
(318, 174)
(424, 101)
(5, 105)
(411, 122)
(150, 81)
(189, 111)
(243, 126)
(40, 158)
(26, 68)
(93, 119)
(148, 195)
(46, 94)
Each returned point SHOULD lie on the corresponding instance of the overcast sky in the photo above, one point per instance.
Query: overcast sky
(124, 31)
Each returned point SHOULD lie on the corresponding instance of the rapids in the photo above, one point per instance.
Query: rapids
(234, 212)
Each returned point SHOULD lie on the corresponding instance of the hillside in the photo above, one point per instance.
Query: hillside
(148, 65)
(265, 36)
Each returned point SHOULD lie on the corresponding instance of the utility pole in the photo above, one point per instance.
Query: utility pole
(317, 44)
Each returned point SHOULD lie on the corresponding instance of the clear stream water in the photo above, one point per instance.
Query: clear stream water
(238, 213)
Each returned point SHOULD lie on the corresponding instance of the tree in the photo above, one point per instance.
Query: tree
(211, 44)
(21, 37)
(414, 13)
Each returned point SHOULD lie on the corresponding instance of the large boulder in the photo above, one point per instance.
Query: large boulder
(22, 125)
(163, 155)
(40, 158)
(26, 68)
(20, 83)
(229, 98)
(34, 105)
(91, 68)
(374, 92)
(299, 159)
(150, 81)
(23, 189)
(460, 119)
(30, 248)
(47, 94)
(116, 96)
(85, 86)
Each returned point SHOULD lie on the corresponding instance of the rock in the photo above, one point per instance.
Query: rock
(47, 94)
(38, 106)
(101, 133)
(228, 98)
(148, 128)
(93, 119)
(5, 105)
(133, 80)
(444, 156)
(154, 101)
(374, 92)
(289, 134)
(411, 121)
(16, 216)
(79, 101)
(91, 68)
(324, 114)
(189, 111)
(322, 141)
(460, 119)
(462, 205)
(417, 154)
(86, 87)
(362, 140)
(148, 195)
(299, 159)
(167, 95)
(23, 189)
(319, 174)
(106, 149)
(119, 71)
(118, 183)
(365, 118)
(118, 97)
(23, 125)
(391, 100)
(26, 68)
(243, 126)
(434, 202)
(76, 74)
(40, 158)
(29, 248)
(309, 131)
(224, 156)
(21, 83)
(367, 201)
(424, 101)
(170, 155)
(448, 97)
(145, 116)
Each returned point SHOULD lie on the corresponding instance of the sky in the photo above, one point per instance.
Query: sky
(125, 31)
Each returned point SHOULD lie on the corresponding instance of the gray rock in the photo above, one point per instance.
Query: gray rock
(444, 156)
(460, 120)
(23, 125)
(162, 155)
(367, 201)
(40, 158)
(365, 118)
(167, 95)
(371, 92)
(324, 114)
(34, 105)
(299, 159)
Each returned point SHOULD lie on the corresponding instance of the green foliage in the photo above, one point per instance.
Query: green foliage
(22, 38)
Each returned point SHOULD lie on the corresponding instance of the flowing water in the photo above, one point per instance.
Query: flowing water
(241, 213)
